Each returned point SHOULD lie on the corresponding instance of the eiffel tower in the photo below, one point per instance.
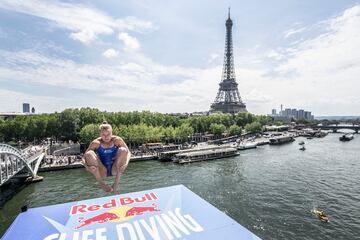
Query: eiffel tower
(228, 99)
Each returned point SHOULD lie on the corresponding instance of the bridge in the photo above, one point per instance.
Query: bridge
(337, 127)
(13, 160)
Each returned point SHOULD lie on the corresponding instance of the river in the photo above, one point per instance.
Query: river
(269, 190)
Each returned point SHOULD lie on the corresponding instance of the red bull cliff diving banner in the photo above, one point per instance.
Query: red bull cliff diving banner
(165, 213)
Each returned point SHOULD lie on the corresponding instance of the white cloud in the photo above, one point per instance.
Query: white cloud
(275, 55)
(326, 66)
(138, 85)
(11, 101)
(324, 76)
(130, 43)
(111, 53)
(85, 23)
(291, 32)
(213, 57)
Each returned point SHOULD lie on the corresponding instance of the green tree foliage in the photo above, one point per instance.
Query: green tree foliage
(241, 119)
(217, 129)
(2, 126)
(69, 124)
(134, 127)
(183, 132)
(253, 127)
(89, 133)
(302, 121)
(53, 126)
(263, 120)
(234, 130)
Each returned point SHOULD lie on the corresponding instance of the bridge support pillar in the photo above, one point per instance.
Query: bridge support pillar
(34, 179)
(334, 130)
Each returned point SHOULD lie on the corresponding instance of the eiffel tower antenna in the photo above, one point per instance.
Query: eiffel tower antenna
(228, 98)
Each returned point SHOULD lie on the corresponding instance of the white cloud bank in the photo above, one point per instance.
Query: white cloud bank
(320, 74)
(85, 23)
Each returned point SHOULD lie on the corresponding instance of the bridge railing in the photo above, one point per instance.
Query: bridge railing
(13, 160)
(9, 166)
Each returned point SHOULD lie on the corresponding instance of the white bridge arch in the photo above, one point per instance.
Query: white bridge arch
(13, 160)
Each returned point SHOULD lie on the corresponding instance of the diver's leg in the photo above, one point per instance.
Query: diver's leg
(96, 168)
(121, 161)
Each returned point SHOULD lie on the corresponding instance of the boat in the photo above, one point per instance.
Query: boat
(301, 143)
(320, 134)
(248, 145)
(346, 137)
(204, 155)
(302, 148)
(281, 139)
(168, 155)
(320, 214)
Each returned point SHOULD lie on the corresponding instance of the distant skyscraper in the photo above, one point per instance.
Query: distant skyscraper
(228, 98)
(301, 113)
(287, 112)
(292, 114)
(26, 108)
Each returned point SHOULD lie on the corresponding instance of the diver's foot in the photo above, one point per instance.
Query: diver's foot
(106, 187)
(114, 187)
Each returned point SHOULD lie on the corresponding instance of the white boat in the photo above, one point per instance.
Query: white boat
(248, 145)
(204, 155)
(281, 139)
(347, 137)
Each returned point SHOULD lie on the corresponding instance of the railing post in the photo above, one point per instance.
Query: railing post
(1, 171)
(6, 169)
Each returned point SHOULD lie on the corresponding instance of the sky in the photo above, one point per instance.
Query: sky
(167, 56)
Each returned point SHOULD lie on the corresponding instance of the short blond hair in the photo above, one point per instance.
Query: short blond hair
(105, 126)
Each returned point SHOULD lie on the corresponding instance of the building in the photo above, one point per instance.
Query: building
(228, 98)
(289, 114)
(26, 108)
(301, 113)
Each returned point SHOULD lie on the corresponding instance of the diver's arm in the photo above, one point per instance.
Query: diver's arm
(121, 143)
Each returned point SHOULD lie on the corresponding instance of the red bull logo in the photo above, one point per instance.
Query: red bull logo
(117, 215)
(113, 203)
(101, 218)
(140, 210)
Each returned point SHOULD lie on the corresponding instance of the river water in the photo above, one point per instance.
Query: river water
(270, 190)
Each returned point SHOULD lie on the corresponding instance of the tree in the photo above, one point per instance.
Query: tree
(217, 129)
(234, 130)
(183, 132)
(69, 123)
(89, 133)
(53, 126)
(242, 119)
(253, 127)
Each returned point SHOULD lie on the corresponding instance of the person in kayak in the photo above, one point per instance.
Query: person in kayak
(106, 156)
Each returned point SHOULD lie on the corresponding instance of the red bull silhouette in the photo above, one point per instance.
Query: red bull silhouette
(101, 218)
(140, 210)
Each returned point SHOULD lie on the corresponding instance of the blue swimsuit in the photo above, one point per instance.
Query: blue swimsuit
(106, 156)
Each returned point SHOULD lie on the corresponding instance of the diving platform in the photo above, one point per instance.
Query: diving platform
(172, 212)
